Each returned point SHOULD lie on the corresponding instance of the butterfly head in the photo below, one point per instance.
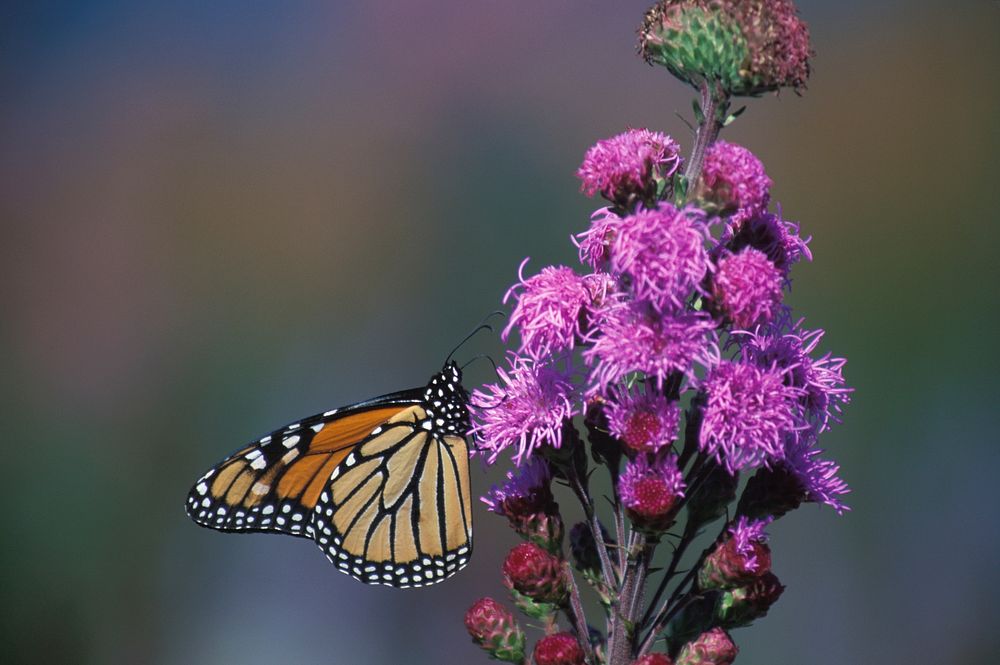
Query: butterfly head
(446, 401)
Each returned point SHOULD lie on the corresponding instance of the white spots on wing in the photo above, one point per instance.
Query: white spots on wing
(267, 510)
(291, 441)
(376, 431)
(206, 502)
(259, 463)
(289, 456)
(336, 472)
(260, 489)
(266, 440)
(330, 413)
(318, 428)
(287, 508)
(202, 488)
(427, 425)
(350, 461)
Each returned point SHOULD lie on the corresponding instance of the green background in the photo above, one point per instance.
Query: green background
(220, 218)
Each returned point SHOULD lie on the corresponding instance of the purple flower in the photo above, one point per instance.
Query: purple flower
(734, 179)
(661, 253)
(525, 410)
(594, 244)
(818, 477)
(626, 166)
(553, 308)
(631, 338)
(645, 422)
(821, 380)
(746, 534)
(522, 493)
(767, 232)
(650, 491)
(746, 288)
(748, 412)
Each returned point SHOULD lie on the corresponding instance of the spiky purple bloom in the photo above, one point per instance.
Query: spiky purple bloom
(777, 238)
(522, 488)
(553, 308)
(745, 535)
(661, 253)
(633, 339)
(594, 244)
(645, 422)
(649, 491)
(748, 412)
(818, 477)
(747, 288)
(625, 166)
(526, 409)
(734, 179)
(821, 380)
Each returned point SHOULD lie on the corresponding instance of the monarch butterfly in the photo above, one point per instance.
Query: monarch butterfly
(381, 486)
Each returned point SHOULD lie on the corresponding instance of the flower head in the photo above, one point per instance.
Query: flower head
(594, 244)
(767, 232)
(734, 179)
(633, 339)
(817, 477)
(645, 422)
(748, 412)
(526, 500)
(661, 253)
(559, 649)
(714, 647)
(821, 380)
(496, 630)
(650, 491)
(533, 572)
(741, 558)
(778, 44)
(746, 288)
(525, 410)
(553, 308)
(625, 167)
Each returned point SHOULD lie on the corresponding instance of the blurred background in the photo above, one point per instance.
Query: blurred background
(220, 217)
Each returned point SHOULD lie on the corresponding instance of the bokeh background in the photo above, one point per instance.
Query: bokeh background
(221, 216)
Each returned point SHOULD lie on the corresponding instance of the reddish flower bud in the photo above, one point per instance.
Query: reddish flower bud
(650, 492)
(533, 572)
(740, 559)
(496, 630)
(654, 659)
(741, 606)
(558, 649)
(712, 648)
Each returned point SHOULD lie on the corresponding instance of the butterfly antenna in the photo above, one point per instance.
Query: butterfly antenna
(483, 325)
(480, 357)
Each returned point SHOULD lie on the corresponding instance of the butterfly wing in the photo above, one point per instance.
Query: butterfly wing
(273, 484)
(398, 509)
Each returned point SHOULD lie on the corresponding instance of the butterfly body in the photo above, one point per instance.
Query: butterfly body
(381, 486)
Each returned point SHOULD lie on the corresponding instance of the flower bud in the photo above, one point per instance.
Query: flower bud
(559, 649)
(712, 496)
(496, 630)
(771, 492)
(653, 659)
(526, 501)
(733, 180)
(741, 606)
(533, 572)
(644, 422)
(740, 559)
(712, 648)
(650, 492)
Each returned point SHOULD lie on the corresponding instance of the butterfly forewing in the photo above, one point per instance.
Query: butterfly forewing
(381, 486)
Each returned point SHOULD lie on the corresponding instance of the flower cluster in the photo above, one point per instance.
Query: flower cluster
(674, 341)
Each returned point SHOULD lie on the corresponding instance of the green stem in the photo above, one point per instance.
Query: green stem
(713, 103)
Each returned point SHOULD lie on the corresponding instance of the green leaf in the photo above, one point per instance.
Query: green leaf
(732, 116)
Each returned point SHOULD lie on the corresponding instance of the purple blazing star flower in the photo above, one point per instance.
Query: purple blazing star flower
(749, 410)
(633, 339)
(661, 252)
(734, 179)
(594, 244)
(818, 477)
(645, 422)
(626, 166)
(649, 491)
(777, 238)
(746, 534)
(746, 288)
(821, 380)
(553, 308)
(522, 491)
(525, 410)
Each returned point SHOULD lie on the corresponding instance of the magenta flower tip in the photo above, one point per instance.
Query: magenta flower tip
(734, 179)
(649, 491)
(645, 422)
(747, 288)
(625, 166)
